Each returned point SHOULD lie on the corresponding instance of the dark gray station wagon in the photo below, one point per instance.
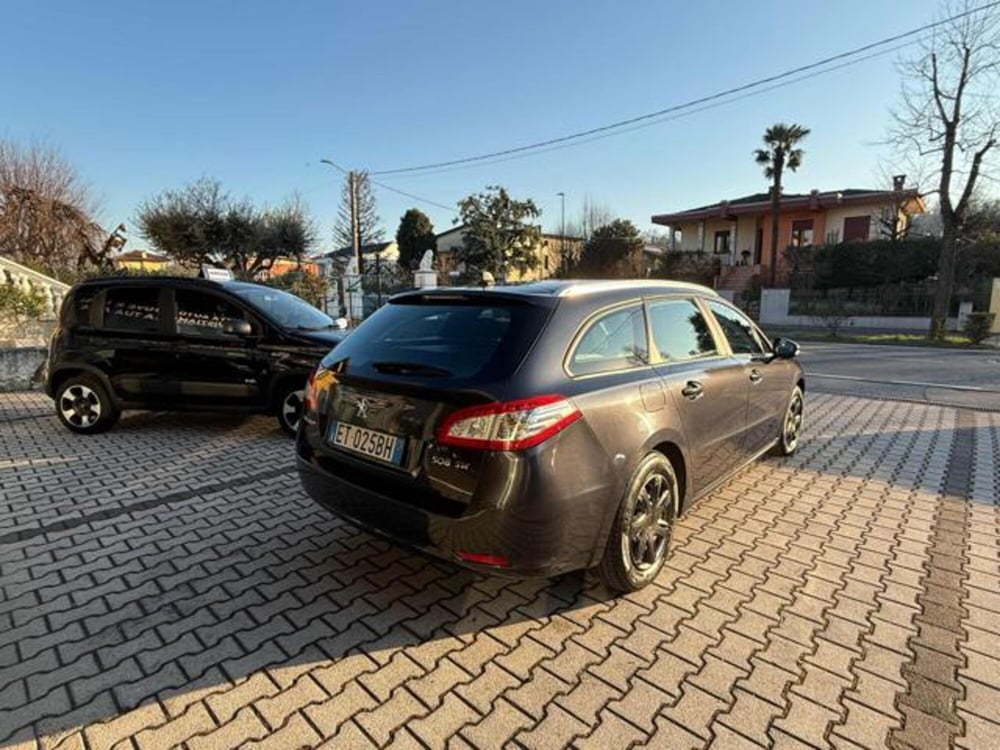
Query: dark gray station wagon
(548, 427)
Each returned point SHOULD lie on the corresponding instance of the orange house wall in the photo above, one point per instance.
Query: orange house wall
(284, 266)
(784, 239)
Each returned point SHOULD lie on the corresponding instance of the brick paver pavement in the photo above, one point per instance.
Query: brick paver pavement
(168, 584)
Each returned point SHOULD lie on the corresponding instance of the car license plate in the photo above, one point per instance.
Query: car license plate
(371, 443)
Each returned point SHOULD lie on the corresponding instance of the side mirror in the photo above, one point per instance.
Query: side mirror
(785, 348)
(239, 328)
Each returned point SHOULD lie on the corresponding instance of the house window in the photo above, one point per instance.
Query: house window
(802, 232)
(856, 228)
(722, 242)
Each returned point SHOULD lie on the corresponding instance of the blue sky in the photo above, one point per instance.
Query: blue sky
(143, 96)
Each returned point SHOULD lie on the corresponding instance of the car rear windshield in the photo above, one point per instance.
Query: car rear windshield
(476, 340)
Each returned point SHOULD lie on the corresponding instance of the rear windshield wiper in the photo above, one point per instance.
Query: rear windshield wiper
(410, 368)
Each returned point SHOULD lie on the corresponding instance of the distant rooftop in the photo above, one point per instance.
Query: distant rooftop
(142, 255)
(761, 203)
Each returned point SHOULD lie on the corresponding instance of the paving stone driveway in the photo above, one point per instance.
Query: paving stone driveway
(168, 584)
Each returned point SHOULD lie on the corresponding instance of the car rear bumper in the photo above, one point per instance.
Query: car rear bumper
(540, 534)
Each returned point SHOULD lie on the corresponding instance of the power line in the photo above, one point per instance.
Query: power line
(411, 195)
(667, 118)
(389, 187)
(615, 126)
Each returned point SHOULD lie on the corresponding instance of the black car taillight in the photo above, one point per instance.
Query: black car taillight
(313, 385)
(508, 426)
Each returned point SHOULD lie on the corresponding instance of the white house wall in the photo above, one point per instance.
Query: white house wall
(690, 239)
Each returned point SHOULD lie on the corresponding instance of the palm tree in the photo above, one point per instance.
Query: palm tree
(780, 153)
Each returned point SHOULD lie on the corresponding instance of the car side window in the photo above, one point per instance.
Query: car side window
(739, 329)
(132, 309)
(83, 306)
(614, 341)
(199, 314)
(680, 331)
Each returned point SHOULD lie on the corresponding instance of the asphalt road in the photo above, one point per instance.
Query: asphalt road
(969, 378)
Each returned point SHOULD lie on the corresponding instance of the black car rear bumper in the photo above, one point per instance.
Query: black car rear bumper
(540, 535)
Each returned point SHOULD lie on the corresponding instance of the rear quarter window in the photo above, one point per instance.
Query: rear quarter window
(611, 342)
(83, 306)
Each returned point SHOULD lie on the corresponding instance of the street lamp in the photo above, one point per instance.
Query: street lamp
(562, 230)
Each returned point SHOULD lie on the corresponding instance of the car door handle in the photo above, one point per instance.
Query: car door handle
(755, 376)
(693, 390)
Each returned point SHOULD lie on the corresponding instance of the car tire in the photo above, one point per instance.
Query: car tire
(791, 425)
(84, 405)
(640, 536)
(289, 406)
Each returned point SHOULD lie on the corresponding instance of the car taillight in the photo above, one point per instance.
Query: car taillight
(509, 426)
(497, 561)
(309, 399)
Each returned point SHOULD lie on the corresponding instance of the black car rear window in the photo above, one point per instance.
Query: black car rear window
(464, 340)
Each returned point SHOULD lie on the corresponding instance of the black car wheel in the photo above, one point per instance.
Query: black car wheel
(290, 408)
(791, 425)
(640, 536)
(84, 406)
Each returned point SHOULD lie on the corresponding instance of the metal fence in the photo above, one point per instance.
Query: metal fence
(896, 300)
(914, 300)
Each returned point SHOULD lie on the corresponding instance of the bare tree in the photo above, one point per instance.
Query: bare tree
(46, 212)
(593, 214)
(950, 116)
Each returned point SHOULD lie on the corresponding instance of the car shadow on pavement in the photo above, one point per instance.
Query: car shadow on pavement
(177, 608)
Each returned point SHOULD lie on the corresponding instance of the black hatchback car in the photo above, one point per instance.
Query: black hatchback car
(160, 342)
(547, 427)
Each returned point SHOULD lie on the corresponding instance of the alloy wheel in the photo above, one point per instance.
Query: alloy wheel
(793, 422)
(80, 406)
(291, 409)
(648, 530)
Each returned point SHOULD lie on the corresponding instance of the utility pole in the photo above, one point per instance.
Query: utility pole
(352, 179)
(352, 190)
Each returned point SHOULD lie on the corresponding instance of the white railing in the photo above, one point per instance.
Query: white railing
(52, 290)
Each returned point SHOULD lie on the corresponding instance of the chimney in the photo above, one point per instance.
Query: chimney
(898, 180)
(814, 200)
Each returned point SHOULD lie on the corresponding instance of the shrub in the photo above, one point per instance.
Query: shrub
(19, 304)
(977, 326)
(697, 267)
(874, 263)
(310, 287)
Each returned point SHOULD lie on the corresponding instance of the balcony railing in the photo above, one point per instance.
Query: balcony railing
(50, 290)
